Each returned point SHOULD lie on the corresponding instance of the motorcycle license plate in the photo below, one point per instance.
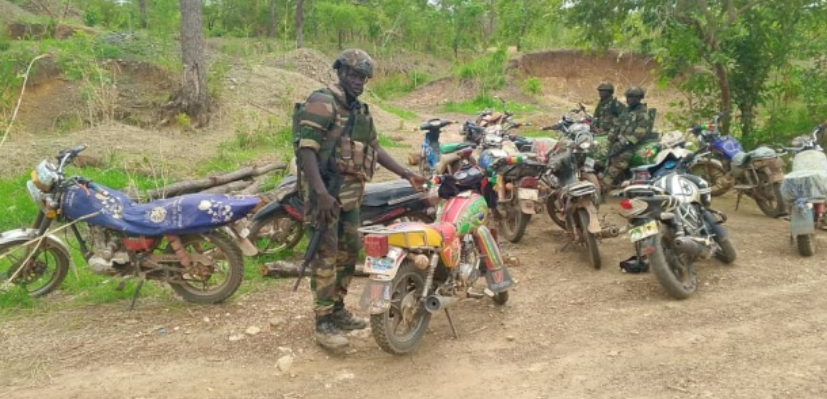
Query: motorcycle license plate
(589, 163)
(384, 265)
(530, 194)
(647, 230)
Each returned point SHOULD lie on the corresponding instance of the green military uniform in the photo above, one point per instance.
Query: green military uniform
(322, 122)
(607, 113)
(633, 127)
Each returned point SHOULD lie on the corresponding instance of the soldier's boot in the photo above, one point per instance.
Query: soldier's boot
(346, 320)
(328, 335)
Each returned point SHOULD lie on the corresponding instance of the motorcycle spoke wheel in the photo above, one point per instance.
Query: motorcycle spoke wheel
(555, 212)
(513, 222)
(216, 271)
(400, 329)
(675, 272)
(276, 234)
(769, 200)
(38, 272)
(589, 239)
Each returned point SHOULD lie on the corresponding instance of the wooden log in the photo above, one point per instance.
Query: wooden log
(191, 186)
(281, 269)
(226, 188)
(253, 188)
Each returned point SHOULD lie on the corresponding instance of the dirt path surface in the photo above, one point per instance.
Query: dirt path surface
(753, 330)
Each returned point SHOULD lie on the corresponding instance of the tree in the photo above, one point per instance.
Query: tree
(271, 18)
(729, 37)
(192, 98)
(142, 13)
(299, 23)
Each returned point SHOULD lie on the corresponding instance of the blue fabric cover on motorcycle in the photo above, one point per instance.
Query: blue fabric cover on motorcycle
(186, 214)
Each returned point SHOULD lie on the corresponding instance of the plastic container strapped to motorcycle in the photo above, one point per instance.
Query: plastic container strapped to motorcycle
(185, 214)
(808, 180)
(728, 145)
(542, 148)
(488, 156)
(467, 212)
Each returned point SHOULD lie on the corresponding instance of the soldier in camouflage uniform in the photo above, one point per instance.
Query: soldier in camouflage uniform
(634, 125)
(325, 147)
(608, 109)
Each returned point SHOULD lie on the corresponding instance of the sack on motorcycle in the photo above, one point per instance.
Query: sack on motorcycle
(804, 185)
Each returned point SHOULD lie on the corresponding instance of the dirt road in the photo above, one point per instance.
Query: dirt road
(753, 330)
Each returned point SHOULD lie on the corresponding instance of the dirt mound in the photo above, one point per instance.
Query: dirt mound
(308, 62)
(10, 12)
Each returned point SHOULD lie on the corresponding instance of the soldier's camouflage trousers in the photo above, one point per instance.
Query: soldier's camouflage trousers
(335, 260)
(617, 165)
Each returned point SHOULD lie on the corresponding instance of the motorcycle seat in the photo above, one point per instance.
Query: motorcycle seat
(453, 147)
(379, 194)
(744, 158)
(184, 214)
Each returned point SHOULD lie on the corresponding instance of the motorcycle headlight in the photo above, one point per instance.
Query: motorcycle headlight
(43, 176)
(585, 145)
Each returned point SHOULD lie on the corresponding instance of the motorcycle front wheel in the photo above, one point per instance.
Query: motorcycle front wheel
(276, 233)
(399, 330)
(806, 244)
(675, 272)
(589, 238)
(217, 268)
(557, 215)
(719, 180)
(37, 271)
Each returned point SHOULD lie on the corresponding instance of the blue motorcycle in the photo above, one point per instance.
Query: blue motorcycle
(177, 240)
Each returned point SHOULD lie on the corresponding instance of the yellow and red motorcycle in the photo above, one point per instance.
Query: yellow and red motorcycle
(418, 269)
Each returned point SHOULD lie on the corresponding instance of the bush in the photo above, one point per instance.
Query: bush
(488, 71)
(532, 86)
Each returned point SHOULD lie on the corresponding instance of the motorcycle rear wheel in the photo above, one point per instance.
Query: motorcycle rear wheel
(770, 201)
(513, 222)
(227, 261)
(406, 289)
(46, 268)
(589, 238)
(675, 273)
(275, 234)
(806, 244)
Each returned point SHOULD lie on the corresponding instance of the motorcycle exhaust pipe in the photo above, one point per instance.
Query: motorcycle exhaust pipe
(435, 303)
(692, 247)
(611, 232)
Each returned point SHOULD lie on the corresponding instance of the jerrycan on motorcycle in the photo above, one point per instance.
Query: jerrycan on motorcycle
(418, 269)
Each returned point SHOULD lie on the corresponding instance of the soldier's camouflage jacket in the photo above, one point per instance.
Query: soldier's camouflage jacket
(635, 124)
(322, 121)
(607, 113)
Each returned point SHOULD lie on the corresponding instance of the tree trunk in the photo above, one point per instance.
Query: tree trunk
(194, 98)
(726, 95)
(271, 15)
(142, 11)
(299, 23)
(341, 38)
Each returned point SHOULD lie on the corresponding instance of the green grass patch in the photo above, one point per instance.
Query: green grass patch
(482, 102)
(402, 113)
(397, 85)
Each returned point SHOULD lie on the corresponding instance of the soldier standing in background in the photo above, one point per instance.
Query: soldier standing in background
(633, 127)
(608, 109)
(337, 136)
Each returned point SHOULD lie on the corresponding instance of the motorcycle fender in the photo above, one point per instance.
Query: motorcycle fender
(376, 297)
(527, 207)
(27, 234)
(273, 208)
(594, 224)
(496, 274)
(801, 221)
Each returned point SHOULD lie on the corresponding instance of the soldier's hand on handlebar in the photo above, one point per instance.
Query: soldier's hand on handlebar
(417, 181)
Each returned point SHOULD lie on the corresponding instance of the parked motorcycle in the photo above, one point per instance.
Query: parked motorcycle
(279, 225)
(520, 191)
(178, 240)
(672, 225)
(805, 190)
(757, 173)
(574, 200)
(432, 151)
(418, 269)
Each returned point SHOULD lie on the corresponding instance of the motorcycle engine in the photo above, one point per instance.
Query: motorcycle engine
(107, 251)
(469, 262)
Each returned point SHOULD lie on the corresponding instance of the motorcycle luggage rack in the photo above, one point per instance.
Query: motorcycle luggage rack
(382, 230)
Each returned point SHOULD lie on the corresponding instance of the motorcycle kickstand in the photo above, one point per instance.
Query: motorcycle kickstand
(451, 323)
(140, 284)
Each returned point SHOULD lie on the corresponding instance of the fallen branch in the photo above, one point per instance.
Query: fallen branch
(20, 100)
(282, 269)
(191, 186)
(227, 188)
(253, 188)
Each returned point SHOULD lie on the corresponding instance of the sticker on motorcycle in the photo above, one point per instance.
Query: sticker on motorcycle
(589, 163)
(647, 230)
(383, 265)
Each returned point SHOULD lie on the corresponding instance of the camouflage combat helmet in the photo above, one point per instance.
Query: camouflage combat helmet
(635, 91)
(356, 59)
(606, 86)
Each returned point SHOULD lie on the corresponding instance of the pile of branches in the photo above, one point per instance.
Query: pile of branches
(244, 181)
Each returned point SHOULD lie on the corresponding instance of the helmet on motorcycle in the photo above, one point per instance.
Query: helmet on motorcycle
(635, 91)
(355, 59)
(606, 86)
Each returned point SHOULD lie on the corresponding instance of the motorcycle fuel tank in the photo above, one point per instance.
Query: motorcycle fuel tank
(467, 211)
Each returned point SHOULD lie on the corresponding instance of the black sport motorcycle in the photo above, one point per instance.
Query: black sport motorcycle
(279, 225)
